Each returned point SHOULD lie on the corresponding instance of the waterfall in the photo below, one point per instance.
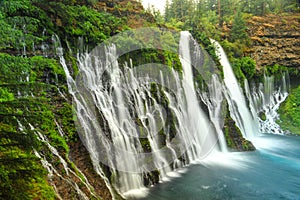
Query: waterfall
(260, 115)
(44, 45)
(134, 124)
(265, 101)
(73, 91)
(239, 110)
(214, 102)
(201, 131)
(72, 176)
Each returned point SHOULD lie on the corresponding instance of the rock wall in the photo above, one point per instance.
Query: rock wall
(275, 40)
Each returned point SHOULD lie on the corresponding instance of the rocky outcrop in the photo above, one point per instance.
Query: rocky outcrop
(275, 40)
(234, 138)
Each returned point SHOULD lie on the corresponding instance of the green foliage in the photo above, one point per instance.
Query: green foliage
(15, 69)
(152, 46)
(234, 49)
(21, 25)
(65, 117)
(238, 30)
(23, 22)
(274, 70)
(81, 21)
(261, 7)
(247, 66)
(5, 95)
(21, 174)
(239, 74)
(179, 10)
(207, 23)
(8, 35)
(42, 64)
(290, 112)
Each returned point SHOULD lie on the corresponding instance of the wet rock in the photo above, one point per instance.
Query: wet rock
(234, 138)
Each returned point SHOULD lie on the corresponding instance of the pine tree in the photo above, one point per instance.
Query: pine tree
(167, 11)
(238, 31)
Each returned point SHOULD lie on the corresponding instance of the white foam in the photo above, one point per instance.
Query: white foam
(137, 193)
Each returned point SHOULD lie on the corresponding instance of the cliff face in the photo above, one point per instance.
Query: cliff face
(275, 40)
(37, 133)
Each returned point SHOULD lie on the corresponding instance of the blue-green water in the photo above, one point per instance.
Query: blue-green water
(270, 173)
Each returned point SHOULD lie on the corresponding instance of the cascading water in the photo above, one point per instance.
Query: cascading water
(201, 129)
(261, 114)
(239, 110)
(71, 176)
(214, 102)
(265, 101)
(135, 125)
(123, 125)
(252, 175)
(72, 89)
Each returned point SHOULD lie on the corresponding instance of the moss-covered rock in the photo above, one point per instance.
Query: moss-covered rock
(151, 178)
(234, 138)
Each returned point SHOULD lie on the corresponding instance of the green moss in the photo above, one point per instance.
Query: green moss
(228, 138)
(246, 66)
(262, 116)
(6, 95)
(233, 135)
(40, 64)
(65, 117)
(26, 75)
(22, 175)
(145, 144)
(22, 69)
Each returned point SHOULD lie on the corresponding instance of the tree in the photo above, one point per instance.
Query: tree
(278, 6)
(257, 7)
(167, 11)
(180, 10)
(238, 31)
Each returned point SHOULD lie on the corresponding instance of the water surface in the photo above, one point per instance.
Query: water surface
(272, 172)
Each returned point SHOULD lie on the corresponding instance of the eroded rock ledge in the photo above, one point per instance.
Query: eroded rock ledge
(275, 40)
